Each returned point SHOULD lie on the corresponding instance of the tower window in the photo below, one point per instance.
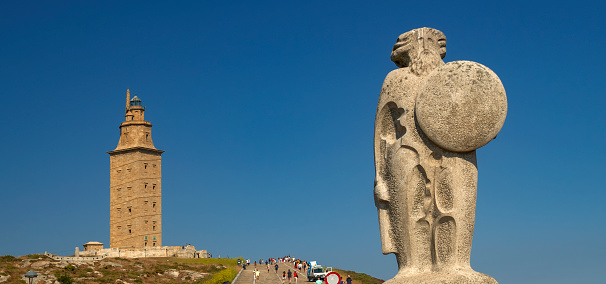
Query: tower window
(154, 186)
(130, 231)
(145, 183)
(130, 210)
(153, 228)
(154, 205)
(145, 164)
(146, 136)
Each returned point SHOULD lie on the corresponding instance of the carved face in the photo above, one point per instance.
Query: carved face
(411, 45)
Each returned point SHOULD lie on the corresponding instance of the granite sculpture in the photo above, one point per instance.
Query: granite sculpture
(431, 117)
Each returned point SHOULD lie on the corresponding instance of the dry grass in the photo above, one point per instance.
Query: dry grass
(143, 270)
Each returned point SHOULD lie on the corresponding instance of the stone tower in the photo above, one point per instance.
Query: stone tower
(135, 183)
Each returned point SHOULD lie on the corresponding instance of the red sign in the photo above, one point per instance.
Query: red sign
(333, 278)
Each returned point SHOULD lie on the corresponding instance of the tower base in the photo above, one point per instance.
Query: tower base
(457, 276)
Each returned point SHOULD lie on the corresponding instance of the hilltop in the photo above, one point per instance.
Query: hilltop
(168, 270)
(118, 270)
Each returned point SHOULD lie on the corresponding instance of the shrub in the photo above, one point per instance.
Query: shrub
(8, 258)
(64, 279)
(69, 268)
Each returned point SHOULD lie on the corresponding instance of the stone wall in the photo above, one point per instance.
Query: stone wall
(165, 251)
(74, 258)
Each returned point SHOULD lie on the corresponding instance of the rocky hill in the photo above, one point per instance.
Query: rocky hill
(117, 270)
(166, 270)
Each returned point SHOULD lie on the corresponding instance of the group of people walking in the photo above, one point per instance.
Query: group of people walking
(298, 264)
(274, 262)
(289, 275)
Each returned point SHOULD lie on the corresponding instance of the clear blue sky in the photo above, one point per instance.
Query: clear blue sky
(266, 112)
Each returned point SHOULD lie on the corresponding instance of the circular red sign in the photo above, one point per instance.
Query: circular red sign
(331, 277)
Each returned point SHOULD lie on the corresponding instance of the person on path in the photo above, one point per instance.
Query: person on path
(258, 274)
(289, 276)
(267, 267)
(276, 268)
(283, 276)
(296, 278)
(349, 281)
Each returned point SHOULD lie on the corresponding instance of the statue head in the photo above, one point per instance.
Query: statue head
(421, 50)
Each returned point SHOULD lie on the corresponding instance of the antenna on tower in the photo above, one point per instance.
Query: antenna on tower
(127, 100)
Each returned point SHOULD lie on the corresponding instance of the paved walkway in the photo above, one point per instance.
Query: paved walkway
(271, 277)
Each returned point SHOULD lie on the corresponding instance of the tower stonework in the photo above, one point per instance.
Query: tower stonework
(135, 183)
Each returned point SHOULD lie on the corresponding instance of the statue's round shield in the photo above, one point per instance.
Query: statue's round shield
(461, 106)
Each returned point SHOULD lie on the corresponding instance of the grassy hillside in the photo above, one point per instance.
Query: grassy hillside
(112, 270)
(143, 270)
(358, 278)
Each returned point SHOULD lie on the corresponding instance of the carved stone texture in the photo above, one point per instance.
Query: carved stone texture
(426, 176)
(461, 106)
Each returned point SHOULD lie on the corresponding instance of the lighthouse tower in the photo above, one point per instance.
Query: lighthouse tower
(135, 183)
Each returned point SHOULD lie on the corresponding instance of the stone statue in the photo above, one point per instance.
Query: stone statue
(430, 119)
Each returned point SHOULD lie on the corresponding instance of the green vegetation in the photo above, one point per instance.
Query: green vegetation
(358, 278)
(36, 256)
(221, 261)
(142, 270)
(64, 279)
(69, 268)
(7, 258)
(220, 277)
